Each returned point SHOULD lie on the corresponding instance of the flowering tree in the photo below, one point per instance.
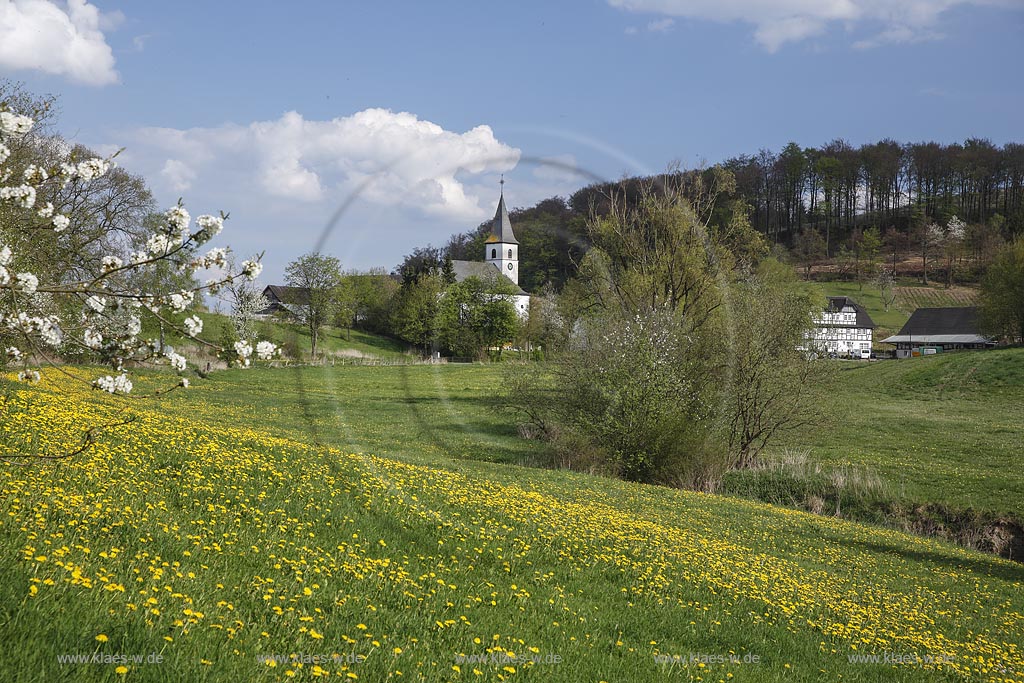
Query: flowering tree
(956, 232)
(932, 238)
(95, 301)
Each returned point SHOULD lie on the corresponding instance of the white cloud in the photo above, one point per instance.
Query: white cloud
(777, 22)
(139, 42)
(179, 175)
(661, 25)
(389, 158)
(65, 40)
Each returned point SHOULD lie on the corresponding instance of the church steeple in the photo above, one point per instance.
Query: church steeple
(502, 247)
(501, 226)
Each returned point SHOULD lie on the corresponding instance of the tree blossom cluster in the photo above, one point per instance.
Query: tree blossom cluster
(98, 310)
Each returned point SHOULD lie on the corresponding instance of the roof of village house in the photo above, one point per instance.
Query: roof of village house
(837, 303)
(951, 325)
(284, 294)
(484, 271)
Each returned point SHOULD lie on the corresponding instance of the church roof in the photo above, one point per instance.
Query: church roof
(501, 226)
(484, 271)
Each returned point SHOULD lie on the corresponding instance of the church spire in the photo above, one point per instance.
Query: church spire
(501, 226)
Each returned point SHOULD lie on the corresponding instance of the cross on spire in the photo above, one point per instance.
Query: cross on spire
(502, 183)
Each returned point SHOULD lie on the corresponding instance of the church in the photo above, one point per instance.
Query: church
(501, 258)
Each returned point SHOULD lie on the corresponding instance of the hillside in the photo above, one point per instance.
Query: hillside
(938, 429)
(294, 340)
(218, 540)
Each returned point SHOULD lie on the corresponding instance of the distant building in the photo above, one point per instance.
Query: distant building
(284, 300)
(844, 328)
(501, 259)
(935, 330)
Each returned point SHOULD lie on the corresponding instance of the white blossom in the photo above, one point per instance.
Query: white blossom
(35, 174)
(28, 376)
(109, 263)
(50, 332)
(5, 255)
(114, 385)
(158, 244)
(27, 282)
(193, 325)
(92, 169)
(15, 124)
(176, 360)
(183, 382)
(209, 227)
(244, 351)
(5, 152)
(215, 257)
(60, 222)
(96, 303)
(265, 350)
(956, 229)
(14, 353)
(177, 220)
(251, 269)
(92, 338)
(23, 195)
(137, 257)
(5, 276)
(46, 211)
(180, 301)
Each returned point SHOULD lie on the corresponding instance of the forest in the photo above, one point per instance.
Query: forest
(818, 201)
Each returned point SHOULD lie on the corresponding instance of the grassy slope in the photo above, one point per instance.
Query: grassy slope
(182, 533)
(332, 341)
(941, 429)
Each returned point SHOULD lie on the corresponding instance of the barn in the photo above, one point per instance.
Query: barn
(937, 330)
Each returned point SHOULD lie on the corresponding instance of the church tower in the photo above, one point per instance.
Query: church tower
(502, 247)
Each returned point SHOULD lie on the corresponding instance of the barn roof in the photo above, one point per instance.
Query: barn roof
(953, 325)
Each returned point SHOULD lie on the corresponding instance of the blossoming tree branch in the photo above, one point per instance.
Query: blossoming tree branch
(95, 303)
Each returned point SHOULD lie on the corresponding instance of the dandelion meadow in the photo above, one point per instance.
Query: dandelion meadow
(179, 547)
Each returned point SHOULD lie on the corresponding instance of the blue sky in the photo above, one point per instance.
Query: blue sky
(406, 113)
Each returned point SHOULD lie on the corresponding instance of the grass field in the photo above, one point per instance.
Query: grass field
(333, 342)
(245, 518)
(940, 429)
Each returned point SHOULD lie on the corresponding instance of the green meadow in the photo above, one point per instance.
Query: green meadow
(390, 522)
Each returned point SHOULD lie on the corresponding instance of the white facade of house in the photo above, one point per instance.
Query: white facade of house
(843, 329)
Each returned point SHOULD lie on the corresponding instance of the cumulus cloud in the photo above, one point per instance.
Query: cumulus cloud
(784, 21)
(65, 40)
(661, 25)
(391, 158)
(179, 175)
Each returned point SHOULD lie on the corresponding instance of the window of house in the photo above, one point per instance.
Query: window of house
(510, 253)
(494, 253)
